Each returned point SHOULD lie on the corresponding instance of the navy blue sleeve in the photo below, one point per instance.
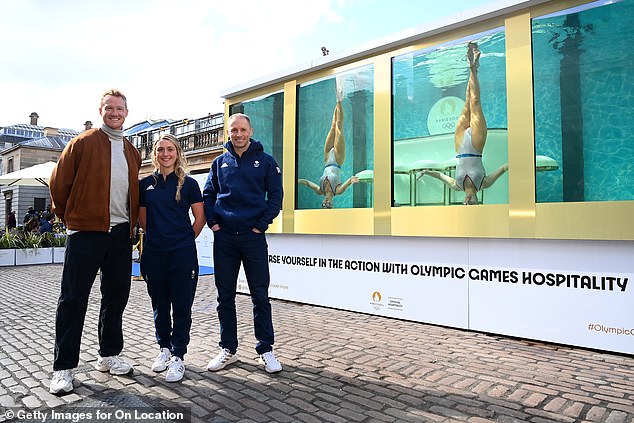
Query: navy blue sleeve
(274, 195)
(210, 193)
(193, 188)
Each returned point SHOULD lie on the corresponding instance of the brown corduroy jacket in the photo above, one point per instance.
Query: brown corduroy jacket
(80, 182)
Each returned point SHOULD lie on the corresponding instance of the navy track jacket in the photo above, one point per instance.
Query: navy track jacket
(242, 193)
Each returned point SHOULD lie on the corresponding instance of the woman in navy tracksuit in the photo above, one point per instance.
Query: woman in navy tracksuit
(169, 263)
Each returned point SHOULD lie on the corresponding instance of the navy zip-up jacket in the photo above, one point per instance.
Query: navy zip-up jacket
(242, 193)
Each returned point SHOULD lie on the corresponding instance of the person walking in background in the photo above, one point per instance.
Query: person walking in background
(32, 226)
(169, 263)
(242, 196)
(95, 192)
(31, 214)
(46, 224)
(11, 222)
(48, 213)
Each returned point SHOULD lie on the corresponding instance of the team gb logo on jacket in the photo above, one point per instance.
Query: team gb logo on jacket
(256, 163)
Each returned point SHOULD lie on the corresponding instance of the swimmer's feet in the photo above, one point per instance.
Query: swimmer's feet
(473, 55)
(339, 88)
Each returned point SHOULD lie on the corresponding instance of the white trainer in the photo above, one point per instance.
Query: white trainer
(221, 360)
(113, 364)
(175, 370)
(62, 382)
(271, 364)
(160, 363)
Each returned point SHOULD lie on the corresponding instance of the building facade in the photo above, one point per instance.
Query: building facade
(201, 140)
(23, 146)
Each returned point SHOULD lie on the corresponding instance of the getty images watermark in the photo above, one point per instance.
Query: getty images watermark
(103, 415)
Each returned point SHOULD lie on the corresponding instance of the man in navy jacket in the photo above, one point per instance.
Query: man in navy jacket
(242, 196)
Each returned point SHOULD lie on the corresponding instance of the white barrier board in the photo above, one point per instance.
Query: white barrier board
(205, 241)
(569, 292)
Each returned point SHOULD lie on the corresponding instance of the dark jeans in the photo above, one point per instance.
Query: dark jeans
(171, 279)
(86, 254)
(251, 250)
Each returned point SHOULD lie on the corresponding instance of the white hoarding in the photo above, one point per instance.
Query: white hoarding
(205, 241)
(569, 292)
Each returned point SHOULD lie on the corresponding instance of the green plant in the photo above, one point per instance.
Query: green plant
(60, 240)
(31, 240)
(48, 239)
(9, 240)
(52, 239)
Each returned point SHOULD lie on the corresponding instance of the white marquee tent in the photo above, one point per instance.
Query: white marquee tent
(37, 175)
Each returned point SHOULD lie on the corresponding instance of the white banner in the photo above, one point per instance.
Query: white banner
(205, 241)
(568, 292)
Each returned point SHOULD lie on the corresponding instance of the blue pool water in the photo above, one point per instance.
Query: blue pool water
(593, 47)
(429, 89)
(316, 103)
(423, 77)
(266, 115)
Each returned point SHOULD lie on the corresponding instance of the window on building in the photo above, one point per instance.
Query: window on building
(39, 204)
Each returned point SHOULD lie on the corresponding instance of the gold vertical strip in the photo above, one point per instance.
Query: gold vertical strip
(382, 144)
(521, 152)
(288, 175)
(226, 118)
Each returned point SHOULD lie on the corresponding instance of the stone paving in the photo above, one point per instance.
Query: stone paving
(339, 366)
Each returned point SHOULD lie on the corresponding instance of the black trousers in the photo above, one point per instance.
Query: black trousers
(86, 254)
(171, 279)
(250, 250)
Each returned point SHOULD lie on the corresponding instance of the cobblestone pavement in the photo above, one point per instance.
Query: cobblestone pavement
(339, 366)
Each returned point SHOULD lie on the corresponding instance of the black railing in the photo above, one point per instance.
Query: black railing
(196, 134)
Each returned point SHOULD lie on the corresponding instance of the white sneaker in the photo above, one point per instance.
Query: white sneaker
(62, 382)
(271, 364)
(113, 364)
(160, 363)
(175, 370)
(221, 360)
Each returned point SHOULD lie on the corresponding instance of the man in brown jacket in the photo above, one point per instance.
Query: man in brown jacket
(95, 192)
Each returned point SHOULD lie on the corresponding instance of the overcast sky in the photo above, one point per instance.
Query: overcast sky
(173, 58)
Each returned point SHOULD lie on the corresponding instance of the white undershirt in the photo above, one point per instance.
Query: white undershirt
(119, 184)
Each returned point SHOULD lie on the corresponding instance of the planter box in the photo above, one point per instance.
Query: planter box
(58, 254)
(34, 256)
(7, 257)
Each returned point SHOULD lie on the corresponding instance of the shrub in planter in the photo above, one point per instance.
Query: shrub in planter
(30, 251)
(9, 240)
(31, 240)
(56, 240)
(8, 245)
(53, 239)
